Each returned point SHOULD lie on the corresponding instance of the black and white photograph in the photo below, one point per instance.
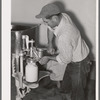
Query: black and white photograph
(51, 50)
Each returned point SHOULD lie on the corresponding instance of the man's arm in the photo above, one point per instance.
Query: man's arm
(45, 59)
(50, 36)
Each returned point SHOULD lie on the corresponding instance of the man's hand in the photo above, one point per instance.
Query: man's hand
(44, 60)
(51, 50)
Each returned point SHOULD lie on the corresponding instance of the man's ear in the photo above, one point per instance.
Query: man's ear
(54, 18)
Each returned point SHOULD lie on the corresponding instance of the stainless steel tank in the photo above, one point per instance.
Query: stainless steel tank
(16, 35)
(16, 38)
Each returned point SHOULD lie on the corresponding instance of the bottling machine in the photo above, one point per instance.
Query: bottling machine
(24, 55)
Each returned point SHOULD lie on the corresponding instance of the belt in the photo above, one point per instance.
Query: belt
(87, 60)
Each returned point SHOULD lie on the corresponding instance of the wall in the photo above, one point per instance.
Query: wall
(82, 12)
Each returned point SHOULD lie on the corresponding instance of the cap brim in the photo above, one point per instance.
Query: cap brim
(45, 15)
(39, 16)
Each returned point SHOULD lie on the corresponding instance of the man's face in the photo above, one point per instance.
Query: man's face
(50, 22)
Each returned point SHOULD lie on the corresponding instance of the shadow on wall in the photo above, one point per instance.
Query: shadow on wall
(61, 5)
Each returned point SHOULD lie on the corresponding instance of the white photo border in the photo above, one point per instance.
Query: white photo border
(6, 46)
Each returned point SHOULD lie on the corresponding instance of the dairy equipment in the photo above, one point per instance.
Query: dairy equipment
(24, 57)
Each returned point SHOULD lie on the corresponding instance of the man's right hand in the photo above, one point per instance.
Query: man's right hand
(51, 50)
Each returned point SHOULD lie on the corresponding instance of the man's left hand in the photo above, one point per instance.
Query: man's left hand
(44, 60)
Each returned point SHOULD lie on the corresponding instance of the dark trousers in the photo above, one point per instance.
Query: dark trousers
(75, 79)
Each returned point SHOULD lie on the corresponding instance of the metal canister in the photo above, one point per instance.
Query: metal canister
(40, 52)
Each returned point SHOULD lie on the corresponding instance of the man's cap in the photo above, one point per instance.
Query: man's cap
(48, 10)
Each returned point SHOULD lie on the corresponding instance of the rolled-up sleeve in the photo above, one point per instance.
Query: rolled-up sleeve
(65, 49)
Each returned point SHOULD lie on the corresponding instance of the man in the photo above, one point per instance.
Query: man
(71, 64)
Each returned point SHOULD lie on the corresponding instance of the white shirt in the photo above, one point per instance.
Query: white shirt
(71, 47)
